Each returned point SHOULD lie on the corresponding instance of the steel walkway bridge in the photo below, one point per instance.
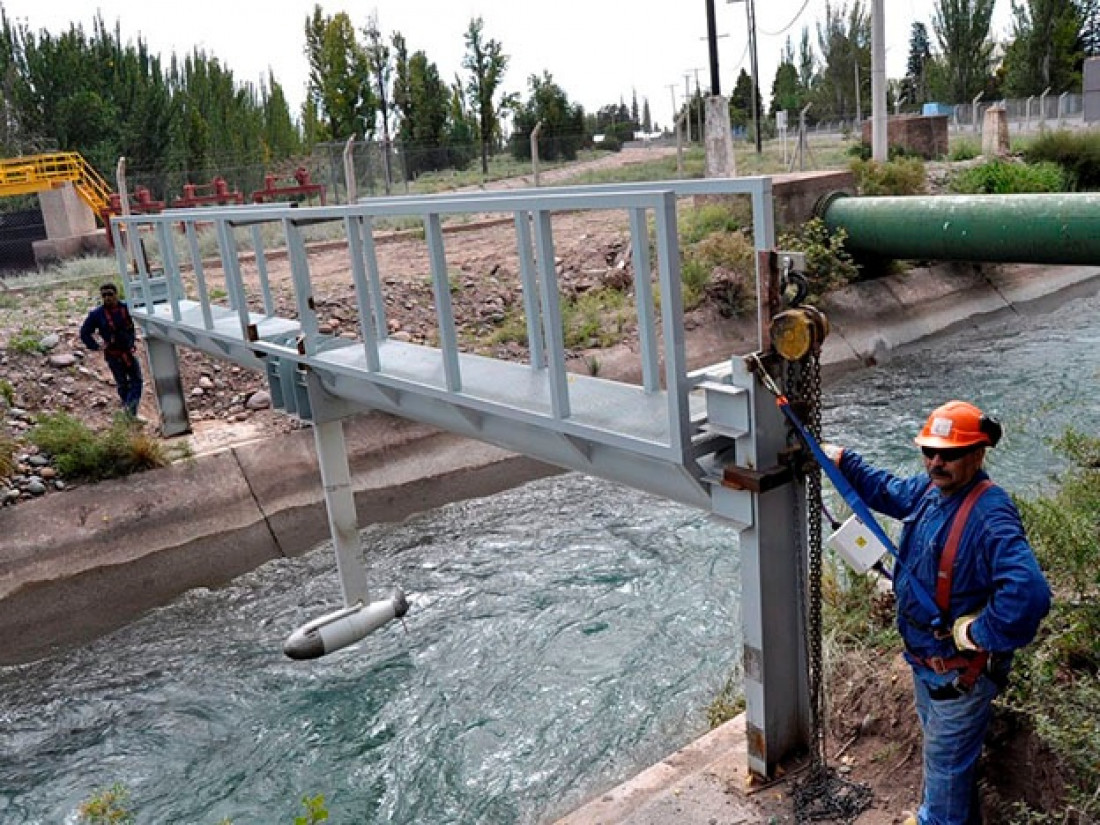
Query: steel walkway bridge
(36, 173)
(691, 436)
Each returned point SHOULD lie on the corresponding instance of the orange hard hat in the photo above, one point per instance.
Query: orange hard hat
(958, 424)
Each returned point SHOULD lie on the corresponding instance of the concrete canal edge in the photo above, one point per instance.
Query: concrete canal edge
(77, 565)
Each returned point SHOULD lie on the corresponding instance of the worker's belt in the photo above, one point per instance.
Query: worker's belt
(968, 666)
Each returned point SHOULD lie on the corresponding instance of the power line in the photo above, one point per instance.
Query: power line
(786, 28)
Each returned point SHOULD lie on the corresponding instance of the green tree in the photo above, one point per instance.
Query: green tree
(281, 137)
(845, 43)
(915, 84)
(741, 100)
(788, 93)
(486, 62)
(562, 132)
(423, 102)
(807, 63)
(962, 30)
(339, 77)
(1044, 52)
(381, 71)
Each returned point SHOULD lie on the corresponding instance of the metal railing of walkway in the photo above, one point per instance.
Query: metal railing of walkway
(36, 173)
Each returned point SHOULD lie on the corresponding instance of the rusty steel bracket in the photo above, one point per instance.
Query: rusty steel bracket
(756, 481)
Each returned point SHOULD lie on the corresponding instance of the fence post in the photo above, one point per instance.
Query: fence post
(535, 151)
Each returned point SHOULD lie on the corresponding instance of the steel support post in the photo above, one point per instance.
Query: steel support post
(774, 633)
(164, 367)
(332, 455)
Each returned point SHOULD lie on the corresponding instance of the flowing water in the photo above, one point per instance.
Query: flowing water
(560, 637)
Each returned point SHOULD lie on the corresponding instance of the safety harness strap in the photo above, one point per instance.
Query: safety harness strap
(969, 665)
(951, 549)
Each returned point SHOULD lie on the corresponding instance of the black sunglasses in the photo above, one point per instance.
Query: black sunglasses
(947, 454)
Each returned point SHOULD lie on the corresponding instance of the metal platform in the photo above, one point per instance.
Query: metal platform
(656, 436)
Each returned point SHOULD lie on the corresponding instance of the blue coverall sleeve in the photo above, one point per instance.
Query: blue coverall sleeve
(880, 490)
(89, 326)
(1020, 593)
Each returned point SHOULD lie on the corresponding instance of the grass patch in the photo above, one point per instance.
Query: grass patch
(7, 392)
(26, 341)
(1001, 177)
(80, 453)
(7, 455)
(597, 318)
(963, 148)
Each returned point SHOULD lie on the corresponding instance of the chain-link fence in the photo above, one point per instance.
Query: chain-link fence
(18, 232)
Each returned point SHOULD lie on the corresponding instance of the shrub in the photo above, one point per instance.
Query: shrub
(7, 456)
(1055, 684)
(964, 149)
(904, 176)
(716, 257)
(80, 453)
(1001, 177)
(1077, 153)
(828, 264)
(28, 340)
(107, 807)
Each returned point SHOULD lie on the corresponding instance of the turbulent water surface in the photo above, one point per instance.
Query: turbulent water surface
(560, 637)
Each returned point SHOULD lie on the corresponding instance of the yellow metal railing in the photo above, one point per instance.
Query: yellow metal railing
(35, 173)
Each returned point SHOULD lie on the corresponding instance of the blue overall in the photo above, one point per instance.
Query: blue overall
(996, 577)
(116, 328)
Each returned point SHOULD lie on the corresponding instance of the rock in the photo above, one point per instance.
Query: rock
(65, 359)
(260, 400)
(206, 383)
(48, 473)
(35, 487)
(50, 341)
(198, 392)
(37, 460)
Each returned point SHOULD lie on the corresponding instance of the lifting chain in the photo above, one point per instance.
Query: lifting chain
(822, 795)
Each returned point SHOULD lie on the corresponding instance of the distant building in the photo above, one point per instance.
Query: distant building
(1091, 88)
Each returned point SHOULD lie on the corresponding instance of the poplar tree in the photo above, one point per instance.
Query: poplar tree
(486, 62)
(339, 78)
(962, 30)
(1045, 52)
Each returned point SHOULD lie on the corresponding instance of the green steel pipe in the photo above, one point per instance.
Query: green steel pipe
(1047, 229)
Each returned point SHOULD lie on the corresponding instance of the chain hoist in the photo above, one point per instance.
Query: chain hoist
(797, 334)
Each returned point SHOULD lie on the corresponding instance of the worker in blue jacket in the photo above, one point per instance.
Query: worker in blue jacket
(963, 543)
(112, 322)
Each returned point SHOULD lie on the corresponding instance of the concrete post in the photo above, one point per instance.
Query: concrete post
(995, 132)
(720, 160)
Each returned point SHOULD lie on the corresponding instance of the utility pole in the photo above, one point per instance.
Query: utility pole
(672, 91)
(712, 51)
(879, 116)
(687, 97)
(859, 114)
(750, 17)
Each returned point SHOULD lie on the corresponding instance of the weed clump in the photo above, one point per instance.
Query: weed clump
(80, 453)
(1001, 177)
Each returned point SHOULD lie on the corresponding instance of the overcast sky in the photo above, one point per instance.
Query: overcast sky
(598, 51)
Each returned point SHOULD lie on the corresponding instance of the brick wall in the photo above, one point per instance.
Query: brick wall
(922, 135)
